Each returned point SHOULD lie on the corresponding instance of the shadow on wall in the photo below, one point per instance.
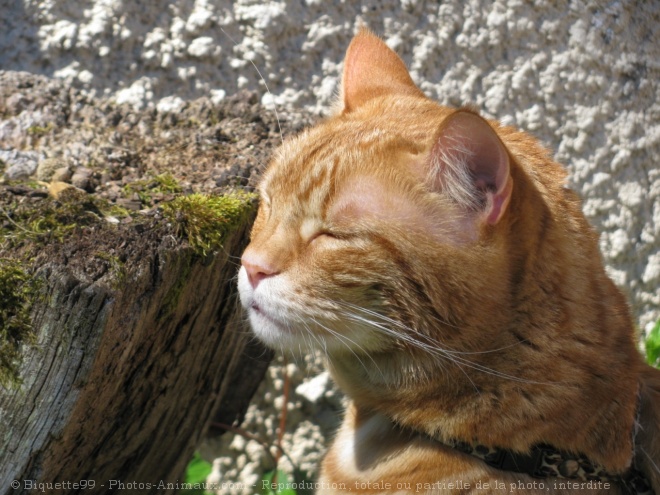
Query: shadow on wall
(19, 42)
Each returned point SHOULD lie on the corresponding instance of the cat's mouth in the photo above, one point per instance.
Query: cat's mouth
(255, 309)
(270, 329)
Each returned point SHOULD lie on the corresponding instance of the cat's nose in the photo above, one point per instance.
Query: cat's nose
(257, 269)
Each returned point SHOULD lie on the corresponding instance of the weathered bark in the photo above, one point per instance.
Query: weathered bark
(139, 345)
(123, 382)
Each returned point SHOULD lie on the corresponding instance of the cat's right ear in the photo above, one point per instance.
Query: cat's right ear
(470, 163)
(372, 69)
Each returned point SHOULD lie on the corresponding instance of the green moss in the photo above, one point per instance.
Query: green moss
(51, 219)
(31, 183)
(192, 122)
(37, 130)
(164, 183)
(116, 267)
(18, 290)
(111, 209)
(206, 220)
(171, 299)
(34, 222)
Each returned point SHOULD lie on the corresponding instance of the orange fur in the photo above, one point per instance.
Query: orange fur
(456, 288)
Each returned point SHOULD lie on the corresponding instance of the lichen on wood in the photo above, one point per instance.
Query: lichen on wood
(18, 290)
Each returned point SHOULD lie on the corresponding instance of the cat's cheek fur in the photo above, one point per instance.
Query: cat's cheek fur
(284, 318)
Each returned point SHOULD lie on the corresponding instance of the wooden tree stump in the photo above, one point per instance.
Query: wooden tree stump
(122, 383)
(139, 342)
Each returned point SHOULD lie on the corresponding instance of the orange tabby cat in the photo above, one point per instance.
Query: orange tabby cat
(458, 292)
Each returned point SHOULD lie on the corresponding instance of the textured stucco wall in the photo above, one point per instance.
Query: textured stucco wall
(581, 76)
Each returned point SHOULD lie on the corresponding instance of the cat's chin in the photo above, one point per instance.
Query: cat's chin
(299, 339)
(282, 337)
(272, 333)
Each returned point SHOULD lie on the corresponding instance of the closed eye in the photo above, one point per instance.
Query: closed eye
(333, 235)
(321, 234)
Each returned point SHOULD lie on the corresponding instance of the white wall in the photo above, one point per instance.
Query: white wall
(581, 76)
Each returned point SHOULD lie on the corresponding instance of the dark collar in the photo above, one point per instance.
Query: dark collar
(545, 461)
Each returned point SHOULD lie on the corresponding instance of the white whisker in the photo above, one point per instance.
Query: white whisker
(277, 116)
(434, 350)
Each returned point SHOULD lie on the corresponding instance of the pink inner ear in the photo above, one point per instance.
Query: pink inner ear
(472, 165)
(372, 69)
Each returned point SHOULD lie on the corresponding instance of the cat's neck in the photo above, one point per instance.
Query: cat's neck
(552, 361)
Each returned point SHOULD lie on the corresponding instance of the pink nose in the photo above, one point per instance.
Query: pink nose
(257, 269)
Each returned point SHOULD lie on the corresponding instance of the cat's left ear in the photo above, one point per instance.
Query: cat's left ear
(470, 162)
(372, 69)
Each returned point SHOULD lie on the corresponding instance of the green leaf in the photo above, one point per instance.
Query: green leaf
(653, 346)
(198, 469)
(196, 472)
(283, 484)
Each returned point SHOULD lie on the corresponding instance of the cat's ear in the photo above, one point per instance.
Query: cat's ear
(372, 69)
(470, 162)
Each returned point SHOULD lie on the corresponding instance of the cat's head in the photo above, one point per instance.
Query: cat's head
(377, 224)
